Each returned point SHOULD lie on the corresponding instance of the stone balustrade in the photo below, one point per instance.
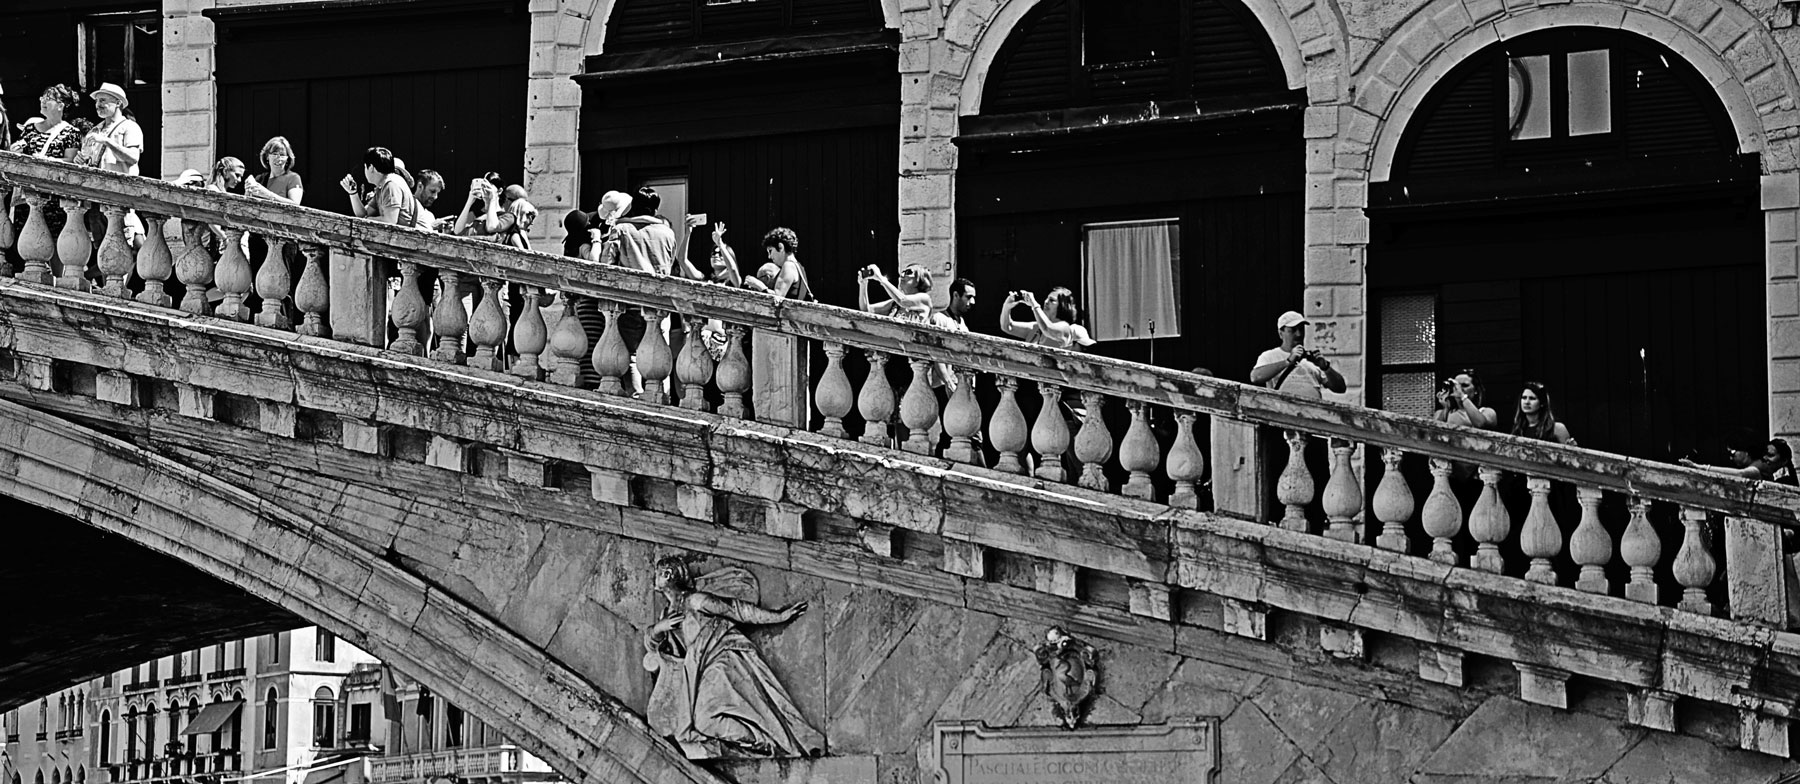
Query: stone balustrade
(1549, 514)
(1560, 517)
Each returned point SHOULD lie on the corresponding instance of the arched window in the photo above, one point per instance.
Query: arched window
(105, 737)
(234, 727)
(174, 724)
(269, 719)
(324, 707)
(150, 731)
(40, 777)
(55, 776)
(131, 749)
(81, 775)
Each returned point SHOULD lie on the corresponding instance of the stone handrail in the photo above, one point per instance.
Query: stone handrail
(554, 342)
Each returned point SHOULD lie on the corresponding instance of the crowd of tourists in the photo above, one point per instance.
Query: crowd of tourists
(628, 228)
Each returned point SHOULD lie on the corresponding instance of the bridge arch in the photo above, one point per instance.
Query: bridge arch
(303, 568)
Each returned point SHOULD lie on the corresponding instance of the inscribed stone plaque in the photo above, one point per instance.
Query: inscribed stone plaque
(1176, 752)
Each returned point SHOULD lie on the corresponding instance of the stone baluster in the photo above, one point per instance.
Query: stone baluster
(1540, 538)
(1489, 524)
(568, 344)
(155, 263)
(733, 375)
(876, 401)
(74, 246)
(232, 276)
(194, 267)
(1050, 434)
(1138, 453)
(313, 295)
(1694, 564)
(1093, 443)
(407, 311)
(448, 319)
(654, 362)
(7, 237)
(487, 328)
(611, 359)
(1442, 516)
(115, 257)
(1641, 549)
(833, 396)
(36, 245)
(919, 409)
(1007, 429)
(1294, 488)
(1393, 502)
(273, 281)
(1186, 464)
(962, 420)
(1590, 546)
(529, 334)
(694, 368)
(1343, 497)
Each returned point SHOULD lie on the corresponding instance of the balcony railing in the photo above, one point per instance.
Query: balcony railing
(137, 686)
(1589, 522)
(234, 672)
(182, 680)
(483, 761)
(69, 734)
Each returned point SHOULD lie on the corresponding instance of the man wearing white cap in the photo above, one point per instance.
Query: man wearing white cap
(116, 143)
(1292, 367)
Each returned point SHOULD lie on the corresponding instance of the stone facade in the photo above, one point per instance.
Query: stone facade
(1364, 67)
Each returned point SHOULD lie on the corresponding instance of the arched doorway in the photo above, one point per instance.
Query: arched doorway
(1570, 207)
(1170, 121)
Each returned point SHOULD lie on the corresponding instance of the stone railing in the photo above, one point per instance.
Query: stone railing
(1634, 528)
(1651, 533)
(485, 761)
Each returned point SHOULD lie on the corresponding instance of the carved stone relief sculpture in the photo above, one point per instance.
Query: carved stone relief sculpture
(714, 694)
(1069, 675)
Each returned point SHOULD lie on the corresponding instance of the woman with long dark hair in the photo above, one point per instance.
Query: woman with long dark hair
(1053, 322)
(1459, 402)
(1537, 418)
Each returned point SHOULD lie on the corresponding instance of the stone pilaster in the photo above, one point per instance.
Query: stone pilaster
(188, 94)
(931, 62)
(560, 33)
(1781, 233)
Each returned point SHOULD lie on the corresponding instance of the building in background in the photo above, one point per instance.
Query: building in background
(297, 707)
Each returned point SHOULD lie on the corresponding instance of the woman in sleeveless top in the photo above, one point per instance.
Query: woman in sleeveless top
(1053, 322)
(911, 300)
(50, 135)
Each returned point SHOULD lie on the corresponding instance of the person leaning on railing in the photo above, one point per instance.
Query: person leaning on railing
(1292, 367)
(393, 201)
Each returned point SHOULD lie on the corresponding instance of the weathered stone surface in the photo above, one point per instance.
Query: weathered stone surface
(1489, 743)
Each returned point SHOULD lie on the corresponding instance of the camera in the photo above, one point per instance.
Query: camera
(1448, 385)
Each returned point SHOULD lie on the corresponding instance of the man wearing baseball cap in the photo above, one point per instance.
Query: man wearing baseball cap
(1292, 367)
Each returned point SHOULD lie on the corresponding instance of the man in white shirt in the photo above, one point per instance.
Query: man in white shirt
(1292, 367)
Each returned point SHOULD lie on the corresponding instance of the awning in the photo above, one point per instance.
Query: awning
(212, 717)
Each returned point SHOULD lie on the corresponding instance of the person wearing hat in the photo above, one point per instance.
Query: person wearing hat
(116, 143)
(1292, 367)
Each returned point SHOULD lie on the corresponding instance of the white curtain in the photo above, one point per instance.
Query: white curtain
(1129, 273)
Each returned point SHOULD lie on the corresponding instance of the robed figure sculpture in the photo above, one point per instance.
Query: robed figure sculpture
(714, 694)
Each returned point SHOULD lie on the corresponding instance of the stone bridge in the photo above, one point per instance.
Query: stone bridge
(489, 526)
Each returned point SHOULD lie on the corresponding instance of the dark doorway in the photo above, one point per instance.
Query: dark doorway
(441, 84)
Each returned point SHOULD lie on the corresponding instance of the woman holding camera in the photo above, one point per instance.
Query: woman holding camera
(911, 300)
(1459, 402)
(1053, 322)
